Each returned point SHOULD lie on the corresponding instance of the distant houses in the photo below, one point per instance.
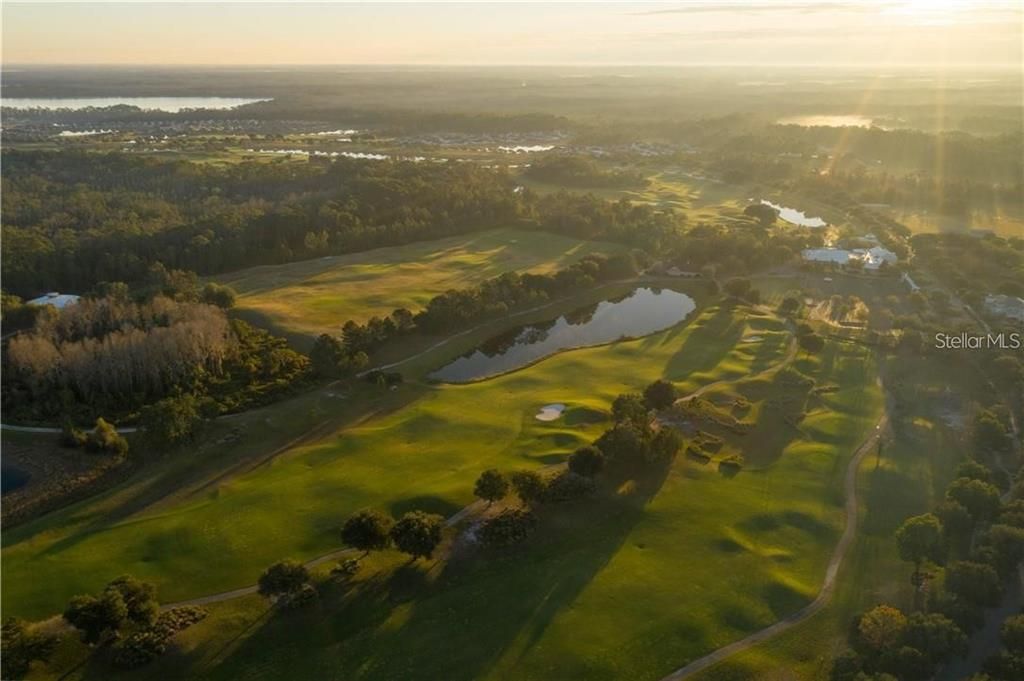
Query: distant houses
(58, 300)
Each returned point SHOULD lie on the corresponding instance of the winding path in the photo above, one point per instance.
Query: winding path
(827, 587)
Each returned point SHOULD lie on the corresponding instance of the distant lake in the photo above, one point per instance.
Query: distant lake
(169, 104)
(840, 121)
(640, 313)
(12, 478)
(794, 216)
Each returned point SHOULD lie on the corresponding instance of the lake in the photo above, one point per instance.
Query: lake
(169, 104)
(839, 121)
(642, 312)
(794, 216)
(12, 478)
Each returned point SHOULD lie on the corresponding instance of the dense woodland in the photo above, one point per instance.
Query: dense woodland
(114, 356)
(72, 220)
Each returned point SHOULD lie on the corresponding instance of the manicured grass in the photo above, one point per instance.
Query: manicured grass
(304, 299)
(673, 565)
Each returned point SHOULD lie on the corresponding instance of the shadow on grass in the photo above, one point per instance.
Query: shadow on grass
(454, 620)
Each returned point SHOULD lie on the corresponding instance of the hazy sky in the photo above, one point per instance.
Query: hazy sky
(869, 32)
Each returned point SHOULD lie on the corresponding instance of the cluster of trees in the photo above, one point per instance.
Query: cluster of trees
(978, 541)
(73, 219)
(112, 355)
(973, 266)
(1008, 663)
(332, 356)
(102, 439)
(416, 533)
(582, 171)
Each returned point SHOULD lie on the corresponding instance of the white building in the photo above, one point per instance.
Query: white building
(58, 300)
(872, 258)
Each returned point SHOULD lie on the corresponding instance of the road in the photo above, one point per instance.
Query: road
(827, 587)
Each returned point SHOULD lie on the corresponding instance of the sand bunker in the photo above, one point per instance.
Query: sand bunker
(550, 412)
(753, 339)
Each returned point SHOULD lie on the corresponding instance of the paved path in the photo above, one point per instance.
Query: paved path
(48, 429)
(827, 587)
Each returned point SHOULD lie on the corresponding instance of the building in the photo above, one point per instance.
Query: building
(58, 300)
(872, 258)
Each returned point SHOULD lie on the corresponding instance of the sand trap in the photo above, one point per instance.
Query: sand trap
(550, 412)
(753, 339)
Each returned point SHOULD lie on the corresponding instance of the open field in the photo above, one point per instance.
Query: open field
(304, 299)
(642, 567)
(1006, 224)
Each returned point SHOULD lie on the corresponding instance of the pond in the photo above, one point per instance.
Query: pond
(639, 313)
(794, 216)
(169, 104)
(12, 478)
(827, 121)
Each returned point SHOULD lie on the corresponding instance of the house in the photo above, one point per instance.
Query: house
(872, 258)
(58, 300)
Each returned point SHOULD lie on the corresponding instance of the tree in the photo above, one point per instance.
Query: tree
(529, 486)
(957, 523)
(990, 434)
(659, 395)
(283, 578)
(171, 420)
(973, 470)
(1007, 544)
(586, 461)
(105, 438)
(976, 583)
(1012, 634)
(935, 635)
(139, 598)
(789, 306)
(920, 539)
(622, 442)
(979, 498)
(811, 343)
(881, 628)
(763, 213)
(665, 444)
(21, 645)
(630, 408)
(219, 295)
(737, 287)
(327, 356)
(96, 617)
(511, 526)
(491, 486)
(418, 533)
(367, 530)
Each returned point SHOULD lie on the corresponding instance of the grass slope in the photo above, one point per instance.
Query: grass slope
(304, 299)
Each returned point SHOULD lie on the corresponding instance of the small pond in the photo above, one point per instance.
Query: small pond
(794, 216)
(639, 313)
(12, 478)
(169, 104)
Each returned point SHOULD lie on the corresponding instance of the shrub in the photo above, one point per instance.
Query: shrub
(104, 438)
(511, 526)
(147, 644)
(303, 596)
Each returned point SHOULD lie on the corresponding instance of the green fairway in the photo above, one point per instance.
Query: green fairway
(669, 567)
(304, 299)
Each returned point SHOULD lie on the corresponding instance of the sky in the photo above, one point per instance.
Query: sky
(948, 33)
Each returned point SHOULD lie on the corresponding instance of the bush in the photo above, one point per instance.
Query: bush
(293, 600)
(511, 526)
(104, 438)
(147, 644)
(567, 486)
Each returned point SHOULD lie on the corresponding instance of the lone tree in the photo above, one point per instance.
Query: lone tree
(881, 628)
(418, 533)
(367, 531)
(96, 617)
(919, 539)
(586, 461)
(491, 486)
(285, 577)
(529, 486)
(660, 395)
